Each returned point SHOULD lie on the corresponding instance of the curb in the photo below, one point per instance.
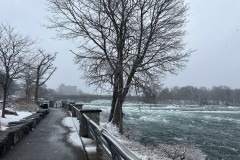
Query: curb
(17, 130)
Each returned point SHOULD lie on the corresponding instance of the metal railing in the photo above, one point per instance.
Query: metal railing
(107, 143)
(75, 108)
(104, 141)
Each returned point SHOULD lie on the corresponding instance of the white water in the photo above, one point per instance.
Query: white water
(215, 130)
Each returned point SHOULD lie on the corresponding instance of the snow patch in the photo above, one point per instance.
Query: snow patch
(91, 149)
(11, 118)
(87, 141)
(74, 139)
(73, 125)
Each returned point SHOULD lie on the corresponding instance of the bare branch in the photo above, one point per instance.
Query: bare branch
(123, 43)
(44, 69)
(14, 48)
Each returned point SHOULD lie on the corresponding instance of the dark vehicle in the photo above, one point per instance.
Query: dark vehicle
(44, 104)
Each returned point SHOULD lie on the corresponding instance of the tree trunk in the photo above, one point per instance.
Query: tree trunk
(27, 92)
(36, 87)
(4, 101)
(118, 114)
(36, 93)
(114, 100)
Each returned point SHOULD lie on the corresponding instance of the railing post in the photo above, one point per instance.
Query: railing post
(93, 114)
(98, 147)
(64, 104)
(79, 107)
(69, 105)
(73, 111)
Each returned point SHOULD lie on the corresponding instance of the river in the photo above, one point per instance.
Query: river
(213, 129)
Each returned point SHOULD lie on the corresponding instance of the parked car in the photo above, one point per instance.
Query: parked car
(44, 104)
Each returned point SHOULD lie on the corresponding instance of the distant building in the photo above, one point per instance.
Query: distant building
(67, 90)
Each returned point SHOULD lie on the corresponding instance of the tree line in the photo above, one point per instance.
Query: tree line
(217, 95)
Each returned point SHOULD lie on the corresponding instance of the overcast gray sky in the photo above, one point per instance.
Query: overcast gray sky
(213, 31)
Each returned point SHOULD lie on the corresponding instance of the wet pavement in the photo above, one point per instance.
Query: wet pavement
(47, 141)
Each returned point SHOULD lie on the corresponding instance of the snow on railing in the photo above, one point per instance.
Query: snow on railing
(113, 149)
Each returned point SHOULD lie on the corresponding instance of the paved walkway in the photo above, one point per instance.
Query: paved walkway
(47, 142)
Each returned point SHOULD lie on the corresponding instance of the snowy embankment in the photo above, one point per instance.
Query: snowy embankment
(160, 152)
(11, 118)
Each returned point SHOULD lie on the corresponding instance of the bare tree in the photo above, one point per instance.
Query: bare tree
(13, 49)
(29, 77)
(124, 42)
(44, 70)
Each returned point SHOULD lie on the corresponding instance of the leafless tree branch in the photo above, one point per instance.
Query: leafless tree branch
(124, 43)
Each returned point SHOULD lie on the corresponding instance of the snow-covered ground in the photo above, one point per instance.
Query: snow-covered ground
(11, 118)
(73, 137)
(73, 124)
(139, 150)
(161, 152)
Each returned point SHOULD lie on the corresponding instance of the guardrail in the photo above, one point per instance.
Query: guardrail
(76, 110)
(105, 142)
